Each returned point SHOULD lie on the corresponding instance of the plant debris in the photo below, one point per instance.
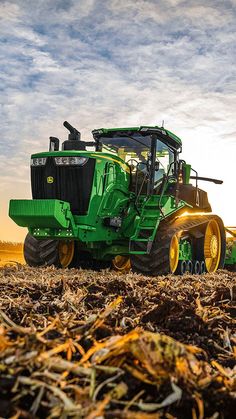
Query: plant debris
(88, 344)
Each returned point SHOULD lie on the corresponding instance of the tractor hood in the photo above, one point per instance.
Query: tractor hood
(63, 175)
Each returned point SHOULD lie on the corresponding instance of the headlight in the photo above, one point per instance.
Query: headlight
(38, 161)
(70, 161)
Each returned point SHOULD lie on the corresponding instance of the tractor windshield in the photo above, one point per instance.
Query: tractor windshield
(126, 147)
(136, 150)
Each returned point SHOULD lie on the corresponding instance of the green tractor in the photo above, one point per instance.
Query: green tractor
(124, 199)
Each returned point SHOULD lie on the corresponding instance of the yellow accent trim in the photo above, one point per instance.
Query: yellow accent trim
(124, 166)
(66, 250)
(212, 246)
(174, 253)
(121, 263)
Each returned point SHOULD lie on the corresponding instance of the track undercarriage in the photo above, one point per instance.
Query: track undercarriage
(194, 244)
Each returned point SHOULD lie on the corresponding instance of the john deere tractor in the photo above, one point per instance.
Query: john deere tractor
(124, 199)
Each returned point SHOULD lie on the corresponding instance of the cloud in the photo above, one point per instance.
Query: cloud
(116, 63)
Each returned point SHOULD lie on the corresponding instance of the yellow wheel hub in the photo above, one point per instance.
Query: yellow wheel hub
(212, 246)
(66, 252)
(121, 263)
(174, 253)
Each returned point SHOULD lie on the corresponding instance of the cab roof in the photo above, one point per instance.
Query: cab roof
(163, 134)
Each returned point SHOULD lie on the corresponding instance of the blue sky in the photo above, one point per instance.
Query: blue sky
(118, 63)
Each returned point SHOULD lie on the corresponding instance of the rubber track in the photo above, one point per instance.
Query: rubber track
(157, 262)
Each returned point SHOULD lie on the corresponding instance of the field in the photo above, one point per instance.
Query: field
(11, 252)
(87, 344)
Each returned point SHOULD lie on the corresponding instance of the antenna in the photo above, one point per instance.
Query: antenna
(163, 123)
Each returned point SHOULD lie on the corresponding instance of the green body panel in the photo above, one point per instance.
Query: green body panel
(186, 172)
(110, 197)
(230, 258)
(185, 250)
(40, 213)
(152, 210)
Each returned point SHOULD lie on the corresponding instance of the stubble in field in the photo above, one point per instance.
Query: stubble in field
(85, 344)
(10, 253)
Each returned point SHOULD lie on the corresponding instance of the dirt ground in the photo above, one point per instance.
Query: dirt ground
(88, 344)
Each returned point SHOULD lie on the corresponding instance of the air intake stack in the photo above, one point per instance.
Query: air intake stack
(73, 142)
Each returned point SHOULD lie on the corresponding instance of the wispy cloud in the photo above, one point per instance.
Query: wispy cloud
(113, 63)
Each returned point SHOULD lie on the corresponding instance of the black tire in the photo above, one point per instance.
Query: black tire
(49, 252)
(32, 251)
(41, 252)
(157, 261)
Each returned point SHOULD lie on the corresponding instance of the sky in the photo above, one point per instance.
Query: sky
(108, 63)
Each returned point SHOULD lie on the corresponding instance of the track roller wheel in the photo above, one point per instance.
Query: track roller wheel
(196, 267)
(181, 268)
(121, 263)
(202, 267)
(189, 267)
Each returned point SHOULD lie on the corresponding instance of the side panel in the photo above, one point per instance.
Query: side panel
(109, 198)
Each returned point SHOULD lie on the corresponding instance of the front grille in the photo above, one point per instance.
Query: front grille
(72, 184)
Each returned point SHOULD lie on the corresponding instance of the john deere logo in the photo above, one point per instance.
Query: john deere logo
(50, 179)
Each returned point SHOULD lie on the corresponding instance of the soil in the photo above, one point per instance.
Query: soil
(43, 309)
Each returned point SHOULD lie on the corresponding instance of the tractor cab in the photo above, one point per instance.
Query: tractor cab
(150, 152)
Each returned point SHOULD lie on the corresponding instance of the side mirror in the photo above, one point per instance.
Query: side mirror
(54, 144)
